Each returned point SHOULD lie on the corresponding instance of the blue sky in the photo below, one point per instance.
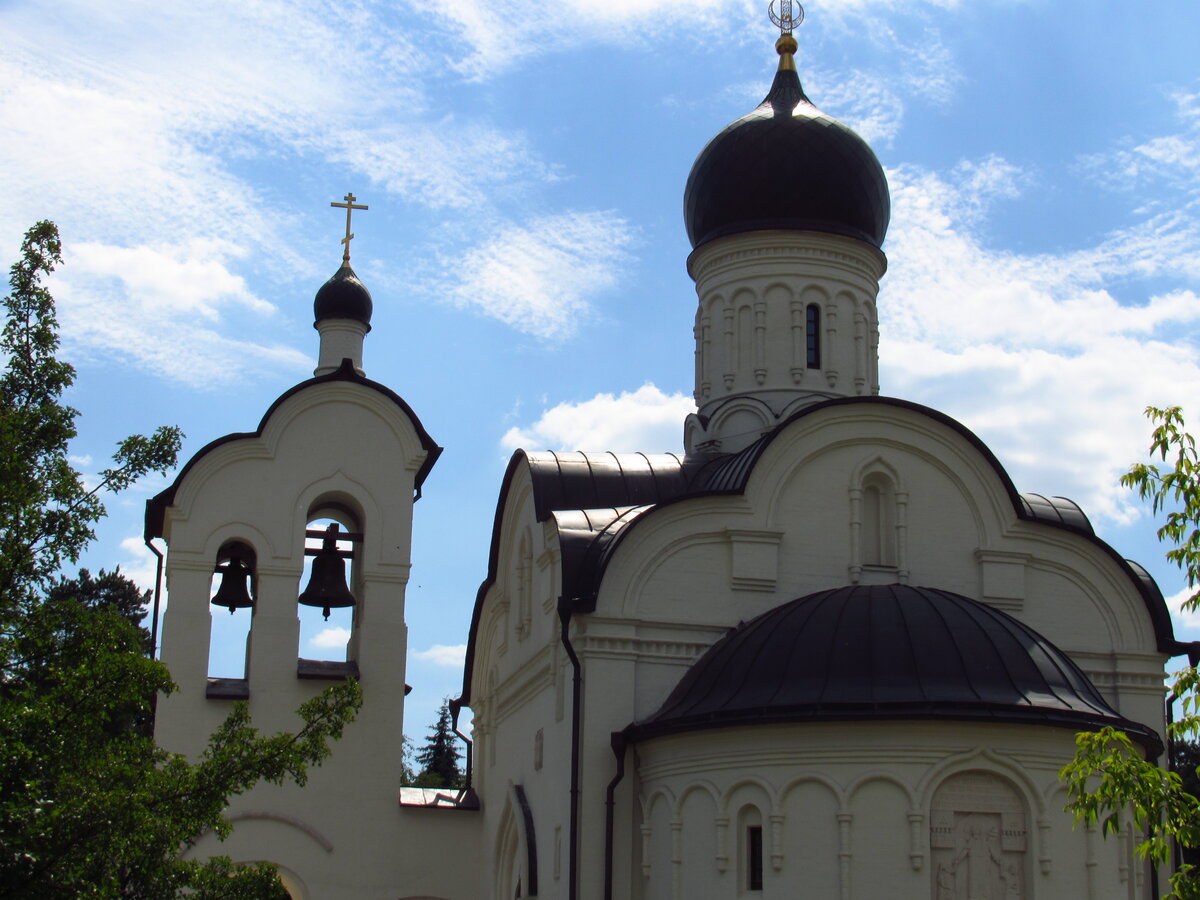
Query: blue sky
(524, 164)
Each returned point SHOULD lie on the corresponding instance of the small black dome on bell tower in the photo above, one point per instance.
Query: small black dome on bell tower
(343, 297)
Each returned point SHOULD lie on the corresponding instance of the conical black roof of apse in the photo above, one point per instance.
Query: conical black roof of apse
(343, 297)
(786, 165)
(885, 652)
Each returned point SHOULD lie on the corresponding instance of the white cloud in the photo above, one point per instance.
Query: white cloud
(501, 36)
(142, 144)
(1184, 620)
(330, 638)
(641, 420)
(162, 307)
(1173, 159)
(1030, 349)
(862, 100)
(538, 277)
(443, 655)
(138, 563)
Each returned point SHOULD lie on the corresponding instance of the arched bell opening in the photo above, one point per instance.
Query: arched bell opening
(331, 584)
(232, 594)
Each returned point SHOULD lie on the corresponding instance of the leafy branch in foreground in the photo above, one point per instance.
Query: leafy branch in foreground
(1110, 781)
(90, 806)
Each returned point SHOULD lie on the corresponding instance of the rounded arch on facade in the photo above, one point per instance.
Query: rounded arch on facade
(876, 465)
(229, 533)
(659, 795)
(516, 871)
(340, 498)
(748, 786)
(879, 777)
(745, 415)
(835, 790)
(701, 786)
(292, 883)
(986, 761)
(289, 822)
(778, 285)
(814, 293)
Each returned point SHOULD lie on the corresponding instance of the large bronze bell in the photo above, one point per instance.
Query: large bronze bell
(234, 591)
(327, 587)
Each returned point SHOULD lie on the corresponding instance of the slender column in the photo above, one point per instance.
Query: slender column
(916, 832)
(760, 342)
(844, 854)
(722, 823)
(776, 841)
(677, 859)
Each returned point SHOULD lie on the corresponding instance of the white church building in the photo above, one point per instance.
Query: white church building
(831, 651)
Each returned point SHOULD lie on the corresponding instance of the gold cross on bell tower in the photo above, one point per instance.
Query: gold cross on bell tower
(349, 205)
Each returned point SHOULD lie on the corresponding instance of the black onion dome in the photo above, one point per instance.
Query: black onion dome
(343, 297)
(885, 652)
(786, 165)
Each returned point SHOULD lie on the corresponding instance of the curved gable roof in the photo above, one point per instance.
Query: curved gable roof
(597, 499)
(156, 506)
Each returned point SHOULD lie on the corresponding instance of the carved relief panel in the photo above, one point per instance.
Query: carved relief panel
(978, 839)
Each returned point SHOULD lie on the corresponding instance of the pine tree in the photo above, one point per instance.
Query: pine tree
(440, 755)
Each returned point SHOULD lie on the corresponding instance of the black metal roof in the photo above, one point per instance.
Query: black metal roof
(786, 165)
(598, 499)
(156, 506)
(343, 297)
(885, 652)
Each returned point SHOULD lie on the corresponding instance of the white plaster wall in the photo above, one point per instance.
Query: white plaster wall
(521, 683)
(690, 569)
(846, 811)
(751, 324)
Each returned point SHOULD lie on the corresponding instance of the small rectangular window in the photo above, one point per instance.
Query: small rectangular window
(812, 324)
(754, 858)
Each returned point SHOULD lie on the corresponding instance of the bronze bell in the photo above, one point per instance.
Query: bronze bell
(327, 587)
(234, 592)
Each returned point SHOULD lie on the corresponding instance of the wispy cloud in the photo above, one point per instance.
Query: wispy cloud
(163, 308)
(142, 144)
(641, 420)
(443, 655)
(1171, 159)
(1031, 349)
(538, 277)
(501, 36)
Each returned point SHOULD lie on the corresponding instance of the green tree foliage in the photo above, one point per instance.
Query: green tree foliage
(440, 755)
(108, 590)
(1109, 781)
(89, 805)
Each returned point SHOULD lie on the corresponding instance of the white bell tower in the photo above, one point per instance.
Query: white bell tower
(335, 447)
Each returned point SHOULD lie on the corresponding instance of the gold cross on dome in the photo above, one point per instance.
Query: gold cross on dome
(349, 206)
(790, 15)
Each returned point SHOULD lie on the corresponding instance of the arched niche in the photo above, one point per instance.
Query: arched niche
(978, 839)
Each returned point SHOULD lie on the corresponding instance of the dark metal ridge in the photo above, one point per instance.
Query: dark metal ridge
(1152, 597)
(156, 506)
